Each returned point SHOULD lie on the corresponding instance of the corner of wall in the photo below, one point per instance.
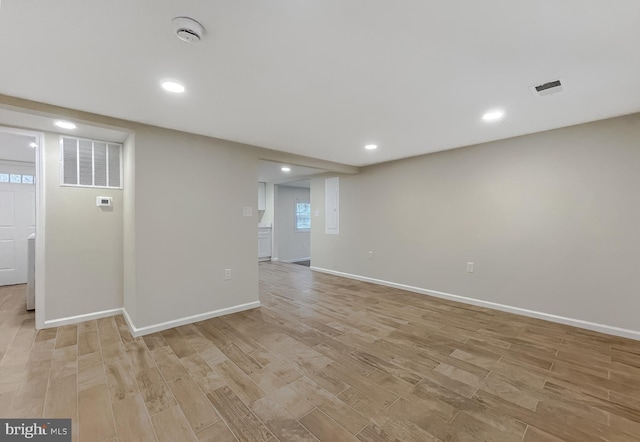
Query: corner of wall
(142, 331)
(129, 232)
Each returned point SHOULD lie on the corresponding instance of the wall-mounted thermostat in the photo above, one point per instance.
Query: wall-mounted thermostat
(103, 201)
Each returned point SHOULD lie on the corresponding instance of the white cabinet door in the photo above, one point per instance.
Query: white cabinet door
(17, 222)
(262, 196)
(264, 243)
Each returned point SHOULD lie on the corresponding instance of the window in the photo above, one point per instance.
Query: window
(303, 216)
(16, 178)
(90, 163)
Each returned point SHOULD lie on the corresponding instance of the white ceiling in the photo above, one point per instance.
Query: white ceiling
(324, 78)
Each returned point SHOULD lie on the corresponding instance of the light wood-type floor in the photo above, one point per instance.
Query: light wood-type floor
(324, 358)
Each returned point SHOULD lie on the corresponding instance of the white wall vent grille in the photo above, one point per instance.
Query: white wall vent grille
(90, 163)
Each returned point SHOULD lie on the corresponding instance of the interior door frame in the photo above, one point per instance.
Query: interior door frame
(40, 219)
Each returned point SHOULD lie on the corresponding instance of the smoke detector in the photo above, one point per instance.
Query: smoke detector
(187, 29)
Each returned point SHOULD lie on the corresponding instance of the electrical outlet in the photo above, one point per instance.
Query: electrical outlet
(469, 267)
(317, 212)
(370, 254)
(227, 274)
(247, 212)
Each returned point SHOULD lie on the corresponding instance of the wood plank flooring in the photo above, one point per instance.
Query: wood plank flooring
(327, 359)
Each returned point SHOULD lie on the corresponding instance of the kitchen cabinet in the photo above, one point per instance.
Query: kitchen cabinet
(262, 196)
(264, 243)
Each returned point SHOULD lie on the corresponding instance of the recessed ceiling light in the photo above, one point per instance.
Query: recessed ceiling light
(371, 146)
(286, 169)
(33, 145)
(493, 115)
(172, 86)
(65, 124)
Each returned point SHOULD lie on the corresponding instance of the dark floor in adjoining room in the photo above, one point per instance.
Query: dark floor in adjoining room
(306, 263)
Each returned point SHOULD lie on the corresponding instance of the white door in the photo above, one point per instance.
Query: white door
(17, 222)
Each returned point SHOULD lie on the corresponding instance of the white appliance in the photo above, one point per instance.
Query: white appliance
(31, 272)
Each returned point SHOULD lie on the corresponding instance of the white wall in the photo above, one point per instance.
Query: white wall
(189, 226)
(15, 147)
(290, 245)
(161, 251)
(17, 167)
(177, 224)
(550, 221)
(83, 244)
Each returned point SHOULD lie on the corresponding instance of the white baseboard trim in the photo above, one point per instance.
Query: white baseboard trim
(136, 332)
(81, 318)
(602, 328)
(290, 261)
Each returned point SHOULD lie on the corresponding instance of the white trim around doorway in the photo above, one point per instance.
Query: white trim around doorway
(40, 219)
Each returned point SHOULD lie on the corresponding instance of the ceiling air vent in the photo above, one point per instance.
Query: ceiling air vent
(548, 88)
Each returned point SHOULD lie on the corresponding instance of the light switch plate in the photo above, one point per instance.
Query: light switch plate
(247, 212)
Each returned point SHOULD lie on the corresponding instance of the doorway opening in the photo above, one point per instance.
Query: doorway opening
(292, 216)
(285, 215)
(20, 220)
